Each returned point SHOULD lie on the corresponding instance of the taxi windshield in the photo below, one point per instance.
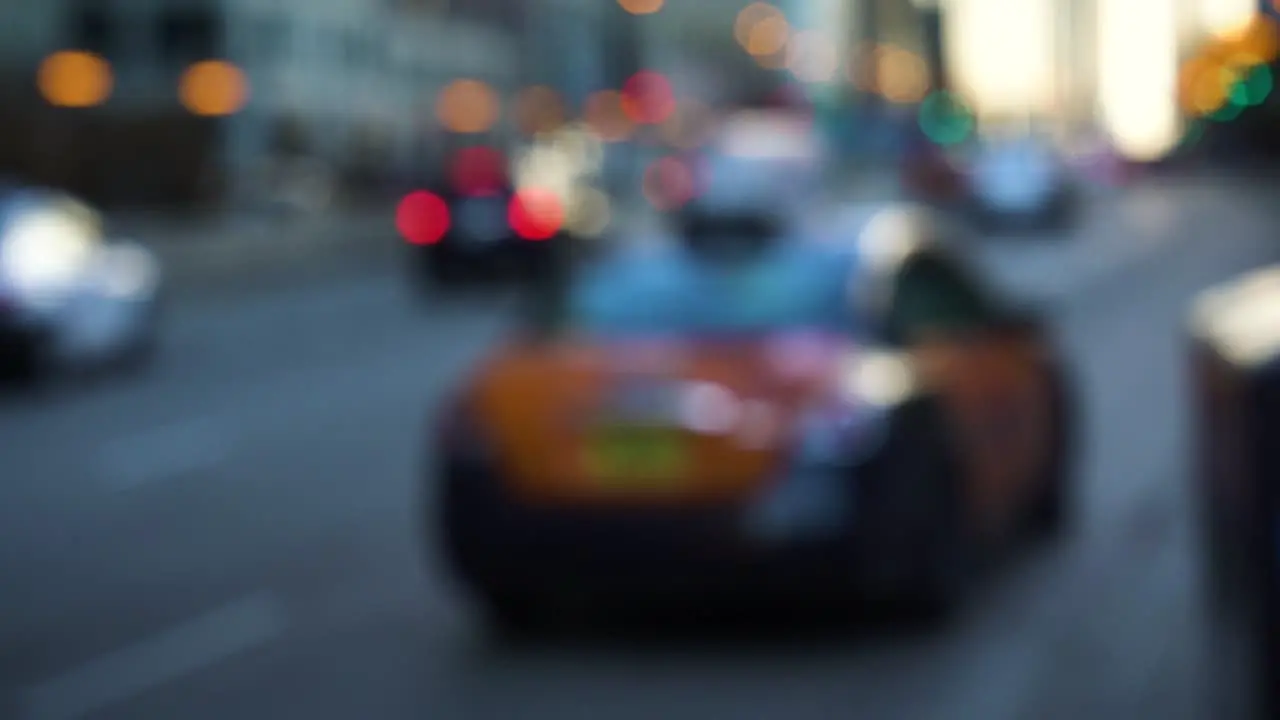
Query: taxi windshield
(673, 291)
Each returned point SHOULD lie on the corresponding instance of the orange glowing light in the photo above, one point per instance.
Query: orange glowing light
(607, 117)
(213, 88)
(901, 76)
(75, 79)
(468, 106)
(641, 7)
(768, 37)
(1256, 43)
(1205, 85)
(539, 109)
(751, 16)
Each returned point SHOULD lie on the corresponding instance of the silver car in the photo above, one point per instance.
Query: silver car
(70, 298)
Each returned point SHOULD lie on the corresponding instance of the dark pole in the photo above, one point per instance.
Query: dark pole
(931, 19)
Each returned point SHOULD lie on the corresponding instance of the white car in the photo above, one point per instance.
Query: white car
(70, 298)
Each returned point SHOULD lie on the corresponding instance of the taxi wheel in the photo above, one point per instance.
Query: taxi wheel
(1051, 512)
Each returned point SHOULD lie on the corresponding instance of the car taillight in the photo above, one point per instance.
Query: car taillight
(422, 218)
(535, 214)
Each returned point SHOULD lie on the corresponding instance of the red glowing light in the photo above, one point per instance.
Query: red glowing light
(648, 99)
(535, 214)
(422, 218)
(478, 171)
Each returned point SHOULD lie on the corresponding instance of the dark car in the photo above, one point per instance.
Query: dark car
(1235, 375)
(474, 224)
(732, 428)
(1020, 183)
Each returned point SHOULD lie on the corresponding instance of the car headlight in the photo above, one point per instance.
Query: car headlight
(46, 248)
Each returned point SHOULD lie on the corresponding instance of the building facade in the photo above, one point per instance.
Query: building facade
(346, 82)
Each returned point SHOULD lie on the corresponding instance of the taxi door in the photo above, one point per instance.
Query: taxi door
(992, 375)
(997, 388)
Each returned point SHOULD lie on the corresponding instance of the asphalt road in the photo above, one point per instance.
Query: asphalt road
(233, 534)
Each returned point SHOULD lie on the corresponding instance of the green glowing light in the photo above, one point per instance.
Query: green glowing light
(1256, 86)
(946, 119)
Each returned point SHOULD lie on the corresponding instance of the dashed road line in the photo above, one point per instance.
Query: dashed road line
(179, 651)
(169, 452)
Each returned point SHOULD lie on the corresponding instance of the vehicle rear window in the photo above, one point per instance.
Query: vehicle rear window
(674, 292)
(933, 294)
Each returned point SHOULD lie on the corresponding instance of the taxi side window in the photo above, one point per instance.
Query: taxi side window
(933, 295)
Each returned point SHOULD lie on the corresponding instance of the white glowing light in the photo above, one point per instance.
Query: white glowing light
(882, 379)
(1138, 75)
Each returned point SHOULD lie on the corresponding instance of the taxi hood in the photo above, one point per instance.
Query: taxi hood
(706, 418)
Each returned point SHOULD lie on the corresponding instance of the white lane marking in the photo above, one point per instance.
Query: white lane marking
(165, 453)
(182, 650)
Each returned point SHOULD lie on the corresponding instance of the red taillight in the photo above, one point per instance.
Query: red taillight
(535, 214)
(422, 218)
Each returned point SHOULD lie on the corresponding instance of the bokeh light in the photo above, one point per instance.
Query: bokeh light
(536, 214)
(768, 37)
(606, 115)
(213, 88)
(1257, 43)
(478, 171)
(647, 98)
(1227, 18)
(641, 7)
(946, 118)
(750, 17)
(539, 109)
(812, 57)
(669, 183)
(422, 218)
(469, 107)
(900, 76)
(1138, 76)
(1204, 85)
(74, 79)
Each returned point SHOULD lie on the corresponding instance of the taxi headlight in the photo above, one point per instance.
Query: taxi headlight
(46, 248)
